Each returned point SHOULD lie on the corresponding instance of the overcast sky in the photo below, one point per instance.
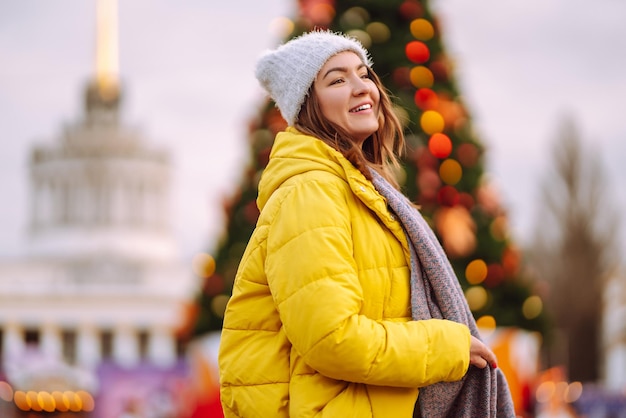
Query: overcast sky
(187, 69)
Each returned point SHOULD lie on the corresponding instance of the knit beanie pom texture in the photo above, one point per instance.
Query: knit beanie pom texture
(288, 72)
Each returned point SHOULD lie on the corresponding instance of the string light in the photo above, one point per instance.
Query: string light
(379, 32)
(440, 145)
(476, 271)
(476, 297)
(421, 76)
(422, 29)
(203, 265)
(432, 122)
(417, 52)
(450, 171)
(426, 99)
(532, 307)
(486, 323)
(218, 305)
(43, 401)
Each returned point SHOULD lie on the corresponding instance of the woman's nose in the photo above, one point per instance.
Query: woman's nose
(361, 87)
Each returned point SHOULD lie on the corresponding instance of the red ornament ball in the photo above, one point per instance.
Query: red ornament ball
(411, 9)
(448, 196)
(417, 52)
(440, 145)
(468, 154)
(402, 76)
(425, 99)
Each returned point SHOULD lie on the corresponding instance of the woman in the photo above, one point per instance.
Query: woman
(320, 320)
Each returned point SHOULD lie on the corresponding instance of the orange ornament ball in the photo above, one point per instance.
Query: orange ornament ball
(422, 29)
(450, 171)
(421, 76)
(440, 145)
(432, 122)
(417, 52)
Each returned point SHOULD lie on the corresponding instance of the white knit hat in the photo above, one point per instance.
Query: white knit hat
(288, 71)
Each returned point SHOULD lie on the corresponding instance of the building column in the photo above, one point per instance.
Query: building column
(125, 346)
(14, 345)
(162, 347)
(615, 365)
(51, 344)
(88, 346)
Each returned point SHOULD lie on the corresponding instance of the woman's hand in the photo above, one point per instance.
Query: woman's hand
(481, 355)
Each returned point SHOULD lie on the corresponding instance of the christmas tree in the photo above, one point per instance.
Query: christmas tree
(443, 170)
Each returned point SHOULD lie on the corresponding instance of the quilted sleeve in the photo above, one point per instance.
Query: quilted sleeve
(313, 278)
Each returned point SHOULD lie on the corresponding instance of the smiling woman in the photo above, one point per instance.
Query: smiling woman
(326, 315)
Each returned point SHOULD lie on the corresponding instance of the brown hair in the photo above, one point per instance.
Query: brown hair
(380, 151)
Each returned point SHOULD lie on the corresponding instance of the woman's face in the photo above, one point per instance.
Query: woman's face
(347, 96)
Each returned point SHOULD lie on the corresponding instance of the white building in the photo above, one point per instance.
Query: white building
(101, 279)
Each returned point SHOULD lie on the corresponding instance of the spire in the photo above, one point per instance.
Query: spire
(107, 60)
(104, 89)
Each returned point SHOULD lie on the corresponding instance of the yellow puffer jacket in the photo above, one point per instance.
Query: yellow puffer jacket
(319, 322)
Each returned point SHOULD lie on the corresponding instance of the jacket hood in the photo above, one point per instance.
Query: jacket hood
(295, 153)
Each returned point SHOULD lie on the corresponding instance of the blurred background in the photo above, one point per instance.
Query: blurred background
(135, 133)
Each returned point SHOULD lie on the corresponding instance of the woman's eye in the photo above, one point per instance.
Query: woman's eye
(337, 81)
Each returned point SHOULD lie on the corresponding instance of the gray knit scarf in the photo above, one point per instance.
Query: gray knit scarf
(436, 293)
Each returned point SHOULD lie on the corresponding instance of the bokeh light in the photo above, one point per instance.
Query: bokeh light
(450, 171)
(573, 392)
(476, 271)
(361, 36)
(33, 402)
(21, 400)
(402, 76)
(422, 29)
(499, 228)
(467, 154)
(354, 17)
(545, 391)
(426, 99)
(511, 259)
(440, 69)
(495, 275)
(411, 9)
(417, 52)
(218, 305)
(379, 32)
(321, 13)
(486, 323)
(532, 307)
(203, 265)
(281, 27)
(440, 145)
(6, 391)
(428, 182)
(476, 297)
(61, 402)
(46, 402)
(431, 122)
(75, 404)
(456, 228)
(421, 76)
(87, 400)
(448, 196)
